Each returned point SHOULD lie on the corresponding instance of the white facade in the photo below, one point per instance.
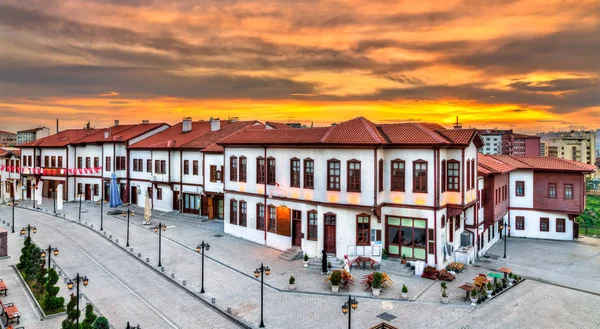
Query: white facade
(31, 135)
(493, 143)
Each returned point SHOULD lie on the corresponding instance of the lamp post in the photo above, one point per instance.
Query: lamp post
(33, 188)
(261, 271)
(102, 207)
(129, 212)
(350, 305)
(80, 195)
(29, 229)
(70, 284)
(507, 229)
(158, 229)
(50, 251)
(13, 211)
(200, 249)
(132, 327)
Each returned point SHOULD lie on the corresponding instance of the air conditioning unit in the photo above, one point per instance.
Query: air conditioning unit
(465, 239)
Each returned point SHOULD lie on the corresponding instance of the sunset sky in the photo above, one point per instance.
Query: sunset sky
(527, 65)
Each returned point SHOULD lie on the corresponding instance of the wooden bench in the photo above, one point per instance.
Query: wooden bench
(3, 287)
(11, 311)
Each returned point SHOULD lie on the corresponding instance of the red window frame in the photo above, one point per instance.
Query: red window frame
(271, 171)
(186, 167)
(38, 161)
(520, 185)
(380, 180)
(149, 165)
(260, 170)
(453, 175)
(398, 174)
(60, 161)
(260, 216)
(309, 173)
(53, 161)
(420, 176)
(544, 222)
(473, 172)
(560, 225)
(243, 212)
(243, 169)
(294, 172)
(272, 217)
(569, 188)
(443, 175)
(163, 166)
(233, 209)
(469, 174)
(233, 168)
(213, 173)
(552, 191)
(353, 176)
(363, 230)
(312, 223)
(334, 169)
(195, 167)
(96, 190)
(96, 162)
(79, 162)
(520, 223)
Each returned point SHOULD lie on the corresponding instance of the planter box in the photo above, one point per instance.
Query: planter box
(376, 291)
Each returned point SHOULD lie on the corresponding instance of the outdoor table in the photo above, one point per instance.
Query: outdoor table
(495, 276)
(480, 281)
(505, 270)
(467, 287)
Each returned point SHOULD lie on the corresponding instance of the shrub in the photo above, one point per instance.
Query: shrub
(90, 317)
(377, 280)
(51, 302)
(404, 289)
(336, 278)
(489, 286)
(444, 286)
(474, 293)
(72, 314)
(306, 257)
(292, 279)
(101, 323)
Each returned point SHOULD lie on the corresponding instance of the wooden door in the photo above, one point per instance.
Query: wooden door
(28, 189)
(122, 191)
(176, 200)
(211, 213)
(106, 190)
(296, 228)
(220, 208)
(330, 239)
(134, 194)
(88, 192)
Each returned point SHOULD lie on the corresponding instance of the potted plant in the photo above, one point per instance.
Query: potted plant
(292, 283)
(444, 295)
(404, 292)
(499, 286)
(504, 283)
(489, 289)
(376, 284)
(511, 279)
(305, 261)
(474, 297)
(403, 259)
(384, 254)
(329, 265)
(335, 280)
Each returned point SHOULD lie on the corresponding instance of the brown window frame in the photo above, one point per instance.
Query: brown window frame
(233, 168)
(195, 169)
(38, 160)
(309, 173)
(233, 212)
(53, 161)
(107, 163)
(468, 174)
(330, 186)
(96, 189)
(294, 172)
(213, 173)
(60, 161)
(135, 165)
(367, 241)
(473, 174)
(186, 167)
(271, 219)
(310, 228)
(453, 175)
(398, 176)
(158, 193)
(271, 171)
(560, 221)
(163, 166)
(243, 206)
(243, 164)
(547, 221)
(380, 177)
(520, 220)
(96, 161)
(568, 187)
(260, 220)
(149, 165)
(422, 179)
(261, 170)
(457, 223)
(520, 184)
(551, 187)
(79, 162)
(352, 177)
(443, 221)
(443, 175)
(79, 188)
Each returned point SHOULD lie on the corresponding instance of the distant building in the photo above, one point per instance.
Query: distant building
(7, 138)
(30, 135)
(506, 142)
(576, 145)
(492, 139)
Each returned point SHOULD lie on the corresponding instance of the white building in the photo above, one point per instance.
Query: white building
(409, 188)
(492, 138)
(29, 135)
(10, 177)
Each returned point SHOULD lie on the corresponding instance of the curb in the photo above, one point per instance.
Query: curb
(37, 304)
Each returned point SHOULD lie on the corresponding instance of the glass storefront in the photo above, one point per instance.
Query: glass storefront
(407, 236)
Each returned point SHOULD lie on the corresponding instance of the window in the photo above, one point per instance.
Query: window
(233, 212)
(107, 164)
(60, 161)
(544, 224)
(413, 237)
(47, 161)
(453, 175)
(294, 173)
(79, 188)
(552, 191)
(489, 233)
(96, 162)
(233, 169)
(520, 188)
(309, 173)
(457, 222)
(159, 194)
(195, 167)
(243, 169)
(560, 225)
(381, 175)
(120, 163)
(163, 166)
(272, 218)
(38, 161)
(243, 213)
(473, 172)
(397, 175)
(333, 175)
(353, 176)
(443, 175)
(213, 173)
(312, 225)
(156, 166)
(79, 162)
(271, 171)
(568, 191)
(468, 174)
(443, 221)
(520, 223)
(31, 163)
(260, 170)
(148, 165)
(135, 165)
(363, 228)
(186, 167)
(260, 217)
(96, 190)
(54, 162)
(420, 176)
(431, 241)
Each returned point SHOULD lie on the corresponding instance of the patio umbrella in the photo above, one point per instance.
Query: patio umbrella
(147, 208)
(115, 199)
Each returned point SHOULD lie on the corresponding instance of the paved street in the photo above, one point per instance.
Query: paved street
(121, 281)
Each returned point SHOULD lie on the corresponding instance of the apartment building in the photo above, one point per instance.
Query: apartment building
(492, 139)
(575, 145)
(29, 135)
(508, 142)
(7, 139)
(407, 187)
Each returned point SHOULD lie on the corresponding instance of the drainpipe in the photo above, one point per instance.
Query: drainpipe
(375, 182)
(265, 196)
(76, 171)
(436, 202)
(463, 188)
(181, 180)
(127, 174)
(508, 206)
(204, 177)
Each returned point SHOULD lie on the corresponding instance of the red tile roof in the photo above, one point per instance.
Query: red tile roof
(278, 125)
(459, 136)
(413, 133)
(544, 163)
(207, 142)
(277, 136)
(489, 165)
(514, 135)
(61, 139)
(8, 151)
(121, 133)
(355, 131)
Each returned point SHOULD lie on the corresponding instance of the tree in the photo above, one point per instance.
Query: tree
(51, 302)
(24, 254)
(72, 314)
(101, 323)
(90, 317)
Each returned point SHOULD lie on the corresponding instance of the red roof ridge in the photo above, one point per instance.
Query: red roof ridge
(326, 134)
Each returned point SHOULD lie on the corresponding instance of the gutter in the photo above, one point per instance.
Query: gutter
(265, 196)
(436, 155)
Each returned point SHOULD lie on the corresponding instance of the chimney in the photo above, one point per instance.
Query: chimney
(187, 124)
(57, 126)
(457, 125)
(106, 134)
(215, 124)
(116, 122)
(145, 122)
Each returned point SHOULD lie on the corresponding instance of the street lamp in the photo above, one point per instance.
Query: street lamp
(157, 229)
(50, 252)
(80, 195)
(29, 229)
(33, 188)
(132, 327)
(13, 210)
(261, 271)
(129, 212)
(505, 234)
(53, 190)
(70, 284)
(200, 249)
(350, 305)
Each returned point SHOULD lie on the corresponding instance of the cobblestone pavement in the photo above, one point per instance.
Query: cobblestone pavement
(229, 277)
(564, 263)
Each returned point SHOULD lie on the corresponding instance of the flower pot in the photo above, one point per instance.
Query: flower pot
(305, 263)
(334, 288)
(292, 286)
(404, 295)
(473, 301)
(510, 281)
(376, 291)
(489, 292)
(444, 300)
(404, 261)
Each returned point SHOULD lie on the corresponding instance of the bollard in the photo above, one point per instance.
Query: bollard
(64, 216)
(172, 275)
(147, 259)
(66, 280)
(54, 266)
(229, 310)
(92, 225)
(214, 300)
(130, 249)
(140, 254)
(110, 236)
(117, 241)
(104, 233)
(59, 272)
(86, 222)
(184, 282)
(162, 269)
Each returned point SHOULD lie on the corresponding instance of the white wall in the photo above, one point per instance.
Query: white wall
(524, 201)
(532, 225)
